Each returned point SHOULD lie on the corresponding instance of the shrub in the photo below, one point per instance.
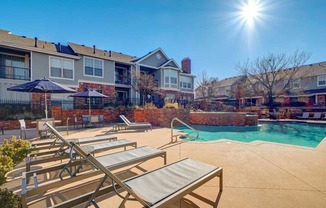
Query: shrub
(171, 105)
(9, 200)
(6, 165)
(149, 106)
(15, 148)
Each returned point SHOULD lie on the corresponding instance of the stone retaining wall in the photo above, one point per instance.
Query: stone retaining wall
(223, 119)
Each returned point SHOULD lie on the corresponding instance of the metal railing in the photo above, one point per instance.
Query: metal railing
(187, 135)
(17, 73)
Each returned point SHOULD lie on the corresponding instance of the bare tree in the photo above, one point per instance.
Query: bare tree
(274, 73)
(144, 84)
(240, 90)
(205, 86)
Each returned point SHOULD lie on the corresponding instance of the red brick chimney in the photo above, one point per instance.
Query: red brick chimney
(186, 65)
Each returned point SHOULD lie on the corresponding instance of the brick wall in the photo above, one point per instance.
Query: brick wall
(14, 124)
(161, 116)
(223, 119)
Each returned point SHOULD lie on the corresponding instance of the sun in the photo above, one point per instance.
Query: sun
(250, 11)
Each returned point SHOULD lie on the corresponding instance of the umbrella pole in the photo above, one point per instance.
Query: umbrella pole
(89, 106)
(46, 106)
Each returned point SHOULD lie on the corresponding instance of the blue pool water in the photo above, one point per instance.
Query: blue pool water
(308, 135)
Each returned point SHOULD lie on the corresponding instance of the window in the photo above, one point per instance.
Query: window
(170, 78)
(296, 83)
(93, 67)
(61, 68)
(185, 82)
(321, 80)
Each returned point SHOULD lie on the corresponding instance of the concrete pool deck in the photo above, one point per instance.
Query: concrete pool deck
(257, 174)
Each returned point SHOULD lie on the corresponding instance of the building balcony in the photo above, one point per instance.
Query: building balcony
(16, 73)
(125, 80)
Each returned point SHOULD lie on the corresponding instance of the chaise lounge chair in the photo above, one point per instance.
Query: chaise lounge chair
(111, 161)
(135, 125)
(111, 142)
(316, 116)
(158, 188)
(305, 115)
(324, 118)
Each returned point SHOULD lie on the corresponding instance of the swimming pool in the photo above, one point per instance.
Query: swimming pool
(302, 134)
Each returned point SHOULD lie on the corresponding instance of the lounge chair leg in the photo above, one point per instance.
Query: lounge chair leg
(91, 199)
(122, 205)
(221, 180)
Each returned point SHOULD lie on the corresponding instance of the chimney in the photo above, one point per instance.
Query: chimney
(59, 47)
(93, 49)
(35, 42)
(186, 65)
(110, 53)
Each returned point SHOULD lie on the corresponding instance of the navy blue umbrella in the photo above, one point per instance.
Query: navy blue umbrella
(42, 86)
(87, 93)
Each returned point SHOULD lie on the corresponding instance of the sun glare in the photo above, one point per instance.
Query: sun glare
(250, 11)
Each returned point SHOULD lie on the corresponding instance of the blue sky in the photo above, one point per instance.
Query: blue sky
(210, 32)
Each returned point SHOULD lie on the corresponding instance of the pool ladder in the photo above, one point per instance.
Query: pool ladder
(174, 137)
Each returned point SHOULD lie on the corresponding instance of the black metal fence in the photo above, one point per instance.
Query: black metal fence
(17, 109)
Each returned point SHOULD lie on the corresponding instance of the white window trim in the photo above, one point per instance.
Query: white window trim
(178, 79)
(187, 88)
(87, 75)
(318, 80)
(73, 68)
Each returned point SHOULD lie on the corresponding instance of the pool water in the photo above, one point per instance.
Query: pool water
(302, 134)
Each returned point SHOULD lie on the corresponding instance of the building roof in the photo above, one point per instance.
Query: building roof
(31, 44)
(228, 81)
(103, 54)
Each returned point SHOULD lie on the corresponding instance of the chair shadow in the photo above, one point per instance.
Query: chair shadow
(214, 204)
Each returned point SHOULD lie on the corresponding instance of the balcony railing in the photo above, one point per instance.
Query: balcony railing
(126, 80)
(18, 73)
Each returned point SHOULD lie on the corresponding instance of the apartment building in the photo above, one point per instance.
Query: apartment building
(78, 66)
(308, 89)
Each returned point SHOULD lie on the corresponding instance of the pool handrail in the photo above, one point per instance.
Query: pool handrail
(176, 119)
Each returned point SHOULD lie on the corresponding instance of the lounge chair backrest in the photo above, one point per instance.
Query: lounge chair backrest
(57, 134)
(317, 115)
(305, 115)
(101, 118)
(22, 124)
(86, 118)
(125, 120)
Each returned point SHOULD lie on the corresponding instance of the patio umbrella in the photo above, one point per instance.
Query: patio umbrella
(42, 86)
(87, 93)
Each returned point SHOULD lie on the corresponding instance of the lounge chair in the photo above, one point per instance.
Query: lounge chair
(23, 129)
(305, 115)
(125, 119)
(42, 130)
(135, 125)
(112, 161)
(324, 118)
(158, 188)
(316, 116)
(60, 148)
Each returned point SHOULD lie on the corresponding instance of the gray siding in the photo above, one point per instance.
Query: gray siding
(108, 72)
(308, 83)
(152, 60)
(41, 68)
(157, 76)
